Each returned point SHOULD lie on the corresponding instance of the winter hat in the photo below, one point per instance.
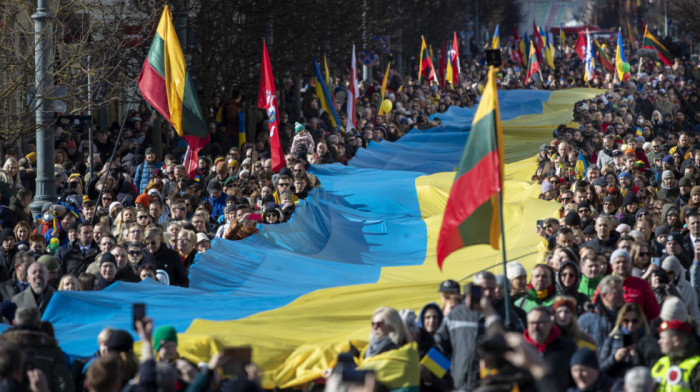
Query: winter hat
(619, 253)
(674, 308)
(298, 127)
(514, 269)
(586, 357)
(695, 190)
(637, 235)
(624, 174)
(8, 310)
(623, 227)
(572, 219)
(120, 341)
(163, 335)
(157, 173)
(600, 181)
(685, 181)
(546, 186)
(49, 262)
(108, 258)
(6, 232)
(666, 174)
(610, 199)
(640, 211)
(630, 198)
(675, 236)
(668, 159)
(143, 199)
(671, 263)
(114, 205)
(661, 230)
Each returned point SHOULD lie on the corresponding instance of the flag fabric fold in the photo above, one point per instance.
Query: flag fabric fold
(166, 85)
(324, 95)
(650, 42)
(267, 99)
(472, 212)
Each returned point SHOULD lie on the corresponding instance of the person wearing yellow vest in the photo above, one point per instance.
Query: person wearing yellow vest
(678, 369)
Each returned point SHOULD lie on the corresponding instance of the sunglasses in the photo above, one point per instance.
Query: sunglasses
(134, 253)
(378, 324)
(284, 184)
(142, 217)
(644, 253)
(151, 243)
(565, 199)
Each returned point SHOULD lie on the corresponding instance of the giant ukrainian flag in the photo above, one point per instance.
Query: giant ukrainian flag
(300, 292)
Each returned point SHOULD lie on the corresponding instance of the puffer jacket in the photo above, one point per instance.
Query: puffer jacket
(606, 356)
(598, 324)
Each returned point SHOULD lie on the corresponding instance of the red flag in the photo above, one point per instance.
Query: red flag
(267, 99)
(538, 41)
(580, 46)
(515, 33)
(442, 66)
(353, 94)
(454, 57)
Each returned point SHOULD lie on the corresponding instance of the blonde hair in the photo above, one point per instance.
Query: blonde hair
(400, 334)
(634, 308)
(62, 283)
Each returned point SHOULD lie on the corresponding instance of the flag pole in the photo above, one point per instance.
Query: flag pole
(506, 283)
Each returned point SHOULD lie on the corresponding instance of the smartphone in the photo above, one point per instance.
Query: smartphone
(475, 294)
(629, 339)
(29, 361)
(540, 224)
(138, 312)
(655, 261)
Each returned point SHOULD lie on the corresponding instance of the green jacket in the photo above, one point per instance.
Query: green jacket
(588, 286)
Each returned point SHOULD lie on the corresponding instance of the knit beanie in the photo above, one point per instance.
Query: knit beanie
(674, 309)
(572, 219)
(586, 357)
(108, 258)
(619, 253)
(667, 173)
(661, 229)
(695, 190)
(667, 159)
(298, 127)
(49, 262)
(120, 341)
(671, 263)
(163, 335)
(514, 269)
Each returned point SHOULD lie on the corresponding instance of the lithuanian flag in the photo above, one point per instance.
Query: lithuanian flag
(425, 64)
(533, 65)
(604, 58)
(650, 42)
(165, 83)
(472, 212)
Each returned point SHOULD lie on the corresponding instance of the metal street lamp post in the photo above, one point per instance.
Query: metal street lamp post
(45, 180)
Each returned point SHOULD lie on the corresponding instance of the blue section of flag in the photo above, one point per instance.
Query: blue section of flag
(436, 356)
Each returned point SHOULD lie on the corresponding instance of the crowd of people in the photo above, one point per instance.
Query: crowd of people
(613, 304)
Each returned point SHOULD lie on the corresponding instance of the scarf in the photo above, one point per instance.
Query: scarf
(377, 346)
(543, 294)
(543, 346)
